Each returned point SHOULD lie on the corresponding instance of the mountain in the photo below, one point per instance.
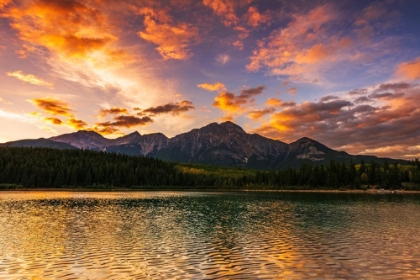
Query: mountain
(215, 144)
(41, 143)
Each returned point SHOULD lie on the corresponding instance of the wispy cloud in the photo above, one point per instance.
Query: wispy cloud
(222, 59)
(29, 78)
(53, 106)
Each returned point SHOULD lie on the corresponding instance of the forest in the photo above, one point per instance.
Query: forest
(27, 168)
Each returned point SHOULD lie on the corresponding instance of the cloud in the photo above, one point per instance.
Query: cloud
(76, 123)
(275, 102)
(258, 114)
(292, 90)
(53, 106)
(358, 91)
(390, 120)
(231, 103)
(126, 121)
(310, 45)
(254, 18)
(3, 3)
(222, 58)
(173, 108)
(292, 45)
(224, 9)
(372, 19)
(386, 95)
(112, 111)
(106, 130)
(173, 40)
(329, 98)
(239, 45)
(362, 99)
(29, 78)
(212, 87)
(394, 86)
(72, 28)
(409, 70)
(55, 121)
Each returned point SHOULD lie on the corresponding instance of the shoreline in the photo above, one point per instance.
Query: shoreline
(370, 191)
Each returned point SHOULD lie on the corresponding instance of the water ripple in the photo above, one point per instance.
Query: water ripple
(186, 235)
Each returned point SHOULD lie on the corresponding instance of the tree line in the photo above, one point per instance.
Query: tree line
(52, 168)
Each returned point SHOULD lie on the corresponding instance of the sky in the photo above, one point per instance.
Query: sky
(344, 73)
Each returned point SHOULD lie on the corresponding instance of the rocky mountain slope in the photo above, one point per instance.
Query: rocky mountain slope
(216, 144)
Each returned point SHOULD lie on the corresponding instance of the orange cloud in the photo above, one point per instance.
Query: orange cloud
(212, 87)
(29, 78)
(290, 44)
(275, 102)
(173, 40)
(309, 45)
(55, 121)
(258, 114)
(112, 111)
(224, 9)
(409, 70)
(70, 28)
(76, 123)
(106, 130)
(3, 3)
(238, 44)
(53, 106)
(173, 108)
(254, 18)
(231, 103)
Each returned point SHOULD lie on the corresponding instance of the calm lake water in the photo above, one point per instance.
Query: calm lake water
(196, 235)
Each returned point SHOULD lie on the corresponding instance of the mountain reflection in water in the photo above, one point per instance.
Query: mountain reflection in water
(196, 235)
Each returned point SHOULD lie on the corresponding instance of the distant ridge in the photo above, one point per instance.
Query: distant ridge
(224, 144)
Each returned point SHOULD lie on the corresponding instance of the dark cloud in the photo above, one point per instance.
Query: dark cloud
(173, 108)
(393, 87)
(386, 95)
(112, 111)
(288, 104)
(362, 100)
(248, 93)
(358, 91)
(389, 130)
(126, 121)
(329, 98)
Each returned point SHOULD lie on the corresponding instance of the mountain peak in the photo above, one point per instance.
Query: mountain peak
(305, 139)
(232, 126)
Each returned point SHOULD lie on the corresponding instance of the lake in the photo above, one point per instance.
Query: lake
(209, 235)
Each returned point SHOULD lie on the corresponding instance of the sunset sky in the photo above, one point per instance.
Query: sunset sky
(345, 73)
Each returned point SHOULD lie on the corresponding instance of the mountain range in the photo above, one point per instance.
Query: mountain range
(225, 144)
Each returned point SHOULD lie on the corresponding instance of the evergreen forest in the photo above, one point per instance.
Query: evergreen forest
(27, 168)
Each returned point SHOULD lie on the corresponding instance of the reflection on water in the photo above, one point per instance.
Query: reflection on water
(187, 235)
